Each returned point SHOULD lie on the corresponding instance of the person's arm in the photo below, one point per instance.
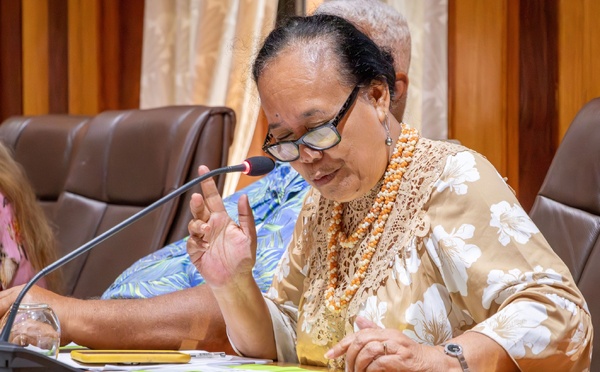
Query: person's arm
(224, 253)
(499, 268)
(14, 268)
(161, 322)
(391, 350)
(248, 319)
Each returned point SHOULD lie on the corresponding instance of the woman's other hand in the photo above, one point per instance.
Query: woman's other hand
(221, 250)
(379, 349)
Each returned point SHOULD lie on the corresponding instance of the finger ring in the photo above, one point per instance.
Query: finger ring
(384, 348)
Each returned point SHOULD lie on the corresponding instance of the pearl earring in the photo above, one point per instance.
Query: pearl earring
(386, 125)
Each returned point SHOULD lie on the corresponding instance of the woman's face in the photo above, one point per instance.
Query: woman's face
(301, 89)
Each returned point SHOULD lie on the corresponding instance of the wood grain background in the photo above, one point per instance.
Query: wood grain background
(519, 70)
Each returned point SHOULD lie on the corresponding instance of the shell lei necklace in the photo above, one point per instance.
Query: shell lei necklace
(377, 217)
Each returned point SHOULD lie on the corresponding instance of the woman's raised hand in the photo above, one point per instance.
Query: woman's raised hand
(220, 249)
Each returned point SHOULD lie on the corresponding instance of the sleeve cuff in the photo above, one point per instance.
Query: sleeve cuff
(284, 329)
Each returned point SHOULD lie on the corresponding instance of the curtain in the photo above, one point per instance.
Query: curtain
(427, 103)
(199, 52)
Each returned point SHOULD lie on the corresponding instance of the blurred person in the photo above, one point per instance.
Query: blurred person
(27, 243)
(388, 28)
(408, 255)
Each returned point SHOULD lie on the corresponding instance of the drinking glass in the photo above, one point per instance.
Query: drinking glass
(36, 327)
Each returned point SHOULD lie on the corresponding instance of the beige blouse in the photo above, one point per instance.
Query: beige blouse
(458, 254)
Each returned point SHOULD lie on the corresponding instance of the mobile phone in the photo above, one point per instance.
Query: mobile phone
(129, 356)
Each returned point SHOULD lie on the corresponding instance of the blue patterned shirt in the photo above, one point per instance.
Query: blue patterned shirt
(276, 200)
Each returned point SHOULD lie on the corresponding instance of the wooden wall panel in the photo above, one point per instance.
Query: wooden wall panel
(130, 31)
(477, 39)
(11, 91)
(120, 45)
(69, 56)
(84, 58)
(110, 46)
(538, 107)
(35, 56)
(502, 86)
(512, 94)
(579, 53)
(592, 47)
(105, 54)
(58, 57)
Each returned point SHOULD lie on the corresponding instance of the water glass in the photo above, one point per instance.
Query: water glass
(36, 327)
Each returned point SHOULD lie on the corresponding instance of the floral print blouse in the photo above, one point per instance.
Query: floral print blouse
(458, 254)
(15, 268)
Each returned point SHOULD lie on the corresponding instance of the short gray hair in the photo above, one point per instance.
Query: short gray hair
(379, 21)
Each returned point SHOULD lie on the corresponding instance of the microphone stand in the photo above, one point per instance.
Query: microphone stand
(18, 358)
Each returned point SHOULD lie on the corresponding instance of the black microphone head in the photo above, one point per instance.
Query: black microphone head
(258, 165)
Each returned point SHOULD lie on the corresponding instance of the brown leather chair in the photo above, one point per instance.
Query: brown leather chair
(44, 145)
(567, 208)
(126, 161)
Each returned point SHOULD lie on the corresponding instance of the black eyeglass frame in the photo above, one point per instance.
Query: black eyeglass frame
(333, 123)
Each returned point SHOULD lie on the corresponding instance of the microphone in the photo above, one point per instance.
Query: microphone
(13, 357)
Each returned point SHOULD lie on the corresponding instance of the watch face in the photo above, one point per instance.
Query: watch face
(453, 349)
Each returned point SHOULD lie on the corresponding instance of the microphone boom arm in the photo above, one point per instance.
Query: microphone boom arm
(107, 234)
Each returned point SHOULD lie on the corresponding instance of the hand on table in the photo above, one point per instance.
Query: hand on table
(60, 305)
(220, 249)
(377, 349)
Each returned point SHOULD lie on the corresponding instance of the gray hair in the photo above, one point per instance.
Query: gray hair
(379, 21)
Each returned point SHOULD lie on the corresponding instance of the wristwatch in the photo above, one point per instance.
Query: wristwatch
(456, 351)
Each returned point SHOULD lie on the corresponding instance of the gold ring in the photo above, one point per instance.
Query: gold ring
(384, 348)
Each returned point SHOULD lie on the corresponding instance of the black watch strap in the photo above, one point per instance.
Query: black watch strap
(456, 351)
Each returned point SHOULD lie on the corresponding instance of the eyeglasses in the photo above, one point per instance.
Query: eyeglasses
(319, 138)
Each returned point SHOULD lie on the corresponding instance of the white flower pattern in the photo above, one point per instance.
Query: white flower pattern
(563, 303)
(284, 266)
(459, 169)
(512, 222)
(453, 255)
(430, 317)
(518, 327)
(502, 285)
(272, 293)
(406, 263)
(373, 310)
(577, 342)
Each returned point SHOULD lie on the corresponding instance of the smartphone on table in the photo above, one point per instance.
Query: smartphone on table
(129, 356)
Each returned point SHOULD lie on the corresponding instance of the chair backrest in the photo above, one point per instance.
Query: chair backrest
(126, 161)
(44, 145)
(567, 208)
(91, 173)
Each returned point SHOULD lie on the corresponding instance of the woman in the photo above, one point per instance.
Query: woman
(408, 255)
(26, 240)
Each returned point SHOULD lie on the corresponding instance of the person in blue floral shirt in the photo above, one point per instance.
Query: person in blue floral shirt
(276, 201)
